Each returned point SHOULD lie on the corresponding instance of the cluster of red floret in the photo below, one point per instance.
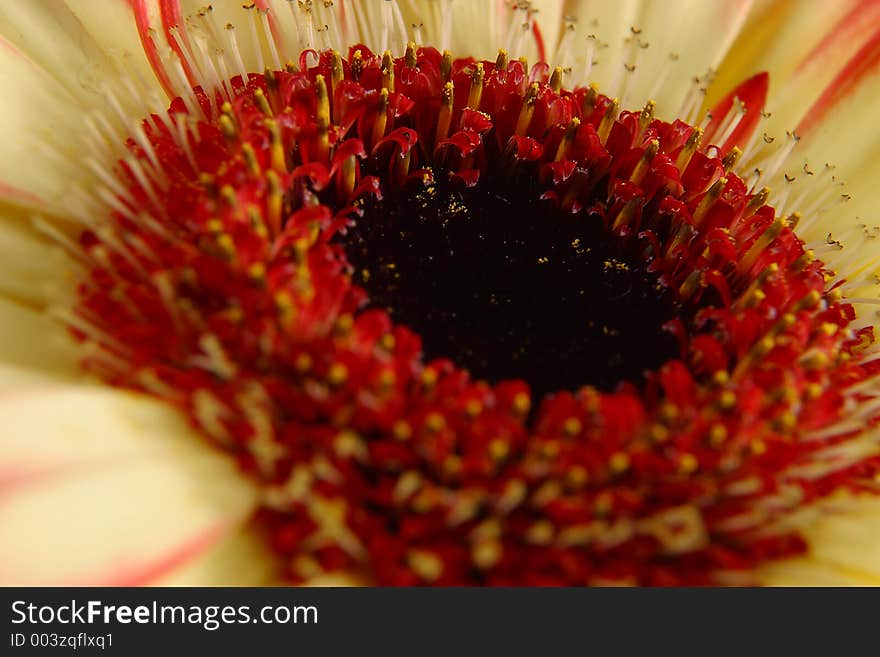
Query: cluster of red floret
(224, 288)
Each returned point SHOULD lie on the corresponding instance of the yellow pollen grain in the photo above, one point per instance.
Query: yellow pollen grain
(521, 403)
(717, 435)
(487, 553)
(426, 565)
(540, 533)
(720, 378)
(572, 426)
(813, 391)
(473, 408)
(338, 374)
(402, 430)
(303, 363)
(688, 464)
(726, 400)
(758, 447)
(344, 324)
(429, 377)
(387, 342)
(577, 476)
(452, 465)
(435, 422)
(619, 462)
(669, 412)
(499, 449)
(659, 433)
(786, 421)
(387, 378)
(550, 449)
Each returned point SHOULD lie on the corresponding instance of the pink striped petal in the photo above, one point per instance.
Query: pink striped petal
(102, 487)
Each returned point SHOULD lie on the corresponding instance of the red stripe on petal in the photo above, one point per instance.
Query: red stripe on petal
(143, 574)
(263, 5)
(849, 32)
(173, 18)
(142, 19)
(861, 65)
(19, 196)
(753, 94)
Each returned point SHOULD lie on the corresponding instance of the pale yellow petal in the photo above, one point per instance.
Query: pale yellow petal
(805, 571)
(107, 487)
(33, 270)
(844, 548)
(777, 35)
(75, 41)
(243, 558)
(36, 110)
(30, 339)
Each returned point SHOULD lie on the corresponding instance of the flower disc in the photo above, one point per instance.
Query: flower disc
(468, 327)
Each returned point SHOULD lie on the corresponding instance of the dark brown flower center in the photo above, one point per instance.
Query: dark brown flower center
(510, 286)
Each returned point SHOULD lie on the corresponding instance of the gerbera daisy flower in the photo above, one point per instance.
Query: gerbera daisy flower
(438, 292)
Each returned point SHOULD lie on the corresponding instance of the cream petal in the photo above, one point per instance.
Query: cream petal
(801, 45)
(74, 41)
(30, 339)
(808, 572)
(848, 537)
(685, 39)
(464, 27)
(107, 487)
(598, 40)
(777, 36)
(33, 269)
(35, 110)
(844, 134)
(844, 548)
(242, 558)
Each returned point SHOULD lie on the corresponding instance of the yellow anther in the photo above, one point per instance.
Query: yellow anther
(708, 200)
(445, 117)
(619, 462)
(409, 57)
(429, 377)
(446, 65)
(688, 464)
(499, 449)
(402, 430)
(717, 435)
(435, 422)
(687, 151)
(556, 79)
(521, 403)
(262, 102)
(426, 565)
(476, 91)
(388, 71)
(572, 426)
(646, 116)
(528, 109)
(608, 120)
(473, 407)
(577, 476)
(337, 374)
(731, 158)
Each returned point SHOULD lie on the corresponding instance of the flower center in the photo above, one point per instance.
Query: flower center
(319, 264)
(509, 286)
